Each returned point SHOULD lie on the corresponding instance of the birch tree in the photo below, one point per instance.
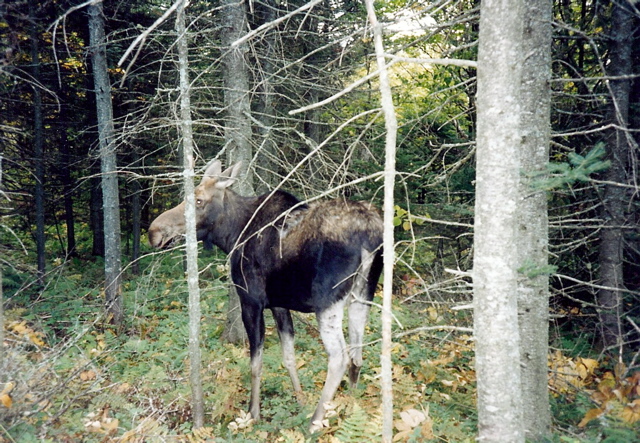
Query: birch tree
(391, 126)
(186, 127)
(533, 225)
(108, 164)
(495, 239)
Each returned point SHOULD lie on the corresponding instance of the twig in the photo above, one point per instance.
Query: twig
(273, 23)
(142, 37)
(433, 328)
(346, 90)
(434, 61)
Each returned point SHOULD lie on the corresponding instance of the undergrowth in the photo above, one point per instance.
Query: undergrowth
(67, 376)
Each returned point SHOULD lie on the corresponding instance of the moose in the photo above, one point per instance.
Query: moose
(284, 255)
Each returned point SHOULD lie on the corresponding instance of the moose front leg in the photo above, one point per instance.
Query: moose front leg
(253, 319)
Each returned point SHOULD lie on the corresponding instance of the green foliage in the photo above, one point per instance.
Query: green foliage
(359, 427)
(579, 168)
(531, 270)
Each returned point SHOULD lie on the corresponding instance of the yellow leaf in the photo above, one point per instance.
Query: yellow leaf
(35, 338)
(585, 367)
(6, 400)
(87, 375)
(631, 412)
(8, 387)
(110, 424)
(590, 415)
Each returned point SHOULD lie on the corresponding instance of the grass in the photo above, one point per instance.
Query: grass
(68, 376)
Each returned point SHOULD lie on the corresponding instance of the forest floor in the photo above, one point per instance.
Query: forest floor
(69, 376)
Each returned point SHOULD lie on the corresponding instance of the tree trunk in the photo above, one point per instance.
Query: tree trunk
(495, 279)
(38, 145)
(391, 126)
(264, 108)
(615, 197)
(136, 209)
(238, 132)
(67, 181)
(3, 370)
(186, 125)
(108, 166)
(533, 224)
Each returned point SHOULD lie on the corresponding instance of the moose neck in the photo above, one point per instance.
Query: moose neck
(237, 212)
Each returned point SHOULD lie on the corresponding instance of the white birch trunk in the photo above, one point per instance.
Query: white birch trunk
(391, 126)
(186, 127)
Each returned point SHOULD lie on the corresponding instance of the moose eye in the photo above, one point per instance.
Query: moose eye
(198, 202)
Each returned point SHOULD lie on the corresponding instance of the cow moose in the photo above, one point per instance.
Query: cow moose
(288, 255)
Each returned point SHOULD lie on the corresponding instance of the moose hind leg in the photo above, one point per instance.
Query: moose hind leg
(330, 324)
(358, 315)
(284, 323)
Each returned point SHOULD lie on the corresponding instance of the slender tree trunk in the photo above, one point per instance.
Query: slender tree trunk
(391, 126)
(495, 278)
(186, 125)
(38, 145)
(264, 108)
(238, 132)
(96, 218)
(67, 184)
(136, 209)
(3, 371)
(108, 166)
(615, 197)
(533, 225)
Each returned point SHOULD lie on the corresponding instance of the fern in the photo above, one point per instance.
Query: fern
(405, 392)
(359, 427)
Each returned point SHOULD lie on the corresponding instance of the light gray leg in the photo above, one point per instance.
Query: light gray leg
(358, 314)
(330, 325)
(256, 374)
(284, 323)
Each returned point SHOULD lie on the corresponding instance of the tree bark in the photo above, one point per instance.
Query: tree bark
(186, 125)
(3, 371)
(238, 132)
(495, 239)
(615, 197)
(264, 108)
(66, 179)
(533, 224)
(108, 165)
(38, 145)
(391, 126)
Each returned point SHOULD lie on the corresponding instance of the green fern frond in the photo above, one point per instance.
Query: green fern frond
(359, 426)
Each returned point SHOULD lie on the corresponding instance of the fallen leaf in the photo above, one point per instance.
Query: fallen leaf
(6, 400)
(631, 412)
(590, 415)
(87, 375)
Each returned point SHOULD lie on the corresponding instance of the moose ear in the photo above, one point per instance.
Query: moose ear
(228, 177)
(213, 170)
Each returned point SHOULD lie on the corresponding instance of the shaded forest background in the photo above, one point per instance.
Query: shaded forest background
(69, 373)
